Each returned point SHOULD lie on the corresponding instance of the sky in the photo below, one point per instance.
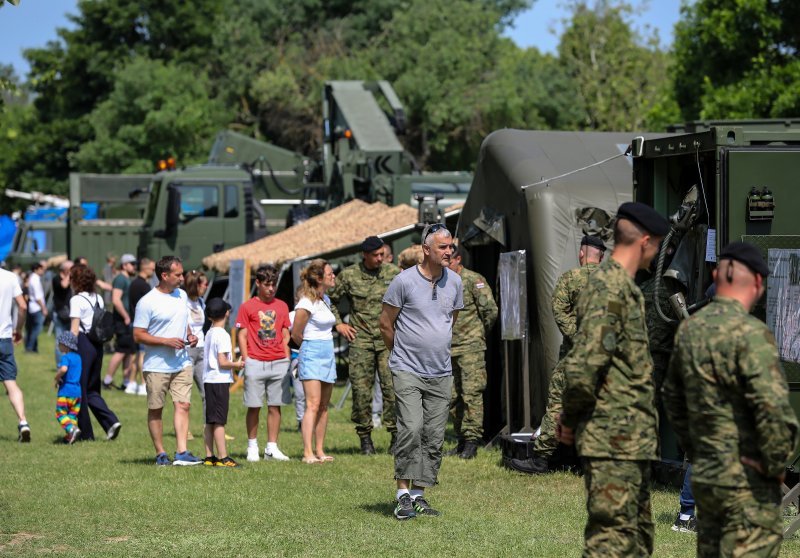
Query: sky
(33, 23)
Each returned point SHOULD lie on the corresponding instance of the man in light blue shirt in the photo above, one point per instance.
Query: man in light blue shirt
(161, 324)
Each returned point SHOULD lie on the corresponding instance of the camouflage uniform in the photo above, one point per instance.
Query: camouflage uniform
(609, 400)
(727, 396)
(364, 289)
(467, 354)
(565, 298)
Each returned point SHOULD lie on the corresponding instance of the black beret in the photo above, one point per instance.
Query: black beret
(747, 254)
(216, 308)
(371, 243)
(594, 241)
(644, 216)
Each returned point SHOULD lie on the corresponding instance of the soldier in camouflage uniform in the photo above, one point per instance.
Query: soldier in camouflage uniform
(467, 355)
(727, 396)
(565, 299)
(609, 394)
(363, 285)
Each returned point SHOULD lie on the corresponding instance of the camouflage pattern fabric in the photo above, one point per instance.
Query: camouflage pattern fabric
(660, 334)
(477, 317)
(618, 502)
(364, 290)
(466, 404)
(609, 395)
(363, 364)
(565, 300)
(467, 355)
(546, 443)
(726, 395)
(738, 521)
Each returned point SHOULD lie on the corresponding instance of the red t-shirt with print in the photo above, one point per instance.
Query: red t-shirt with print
(264, 322)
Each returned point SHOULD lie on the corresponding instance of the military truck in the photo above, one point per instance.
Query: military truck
(720, 182)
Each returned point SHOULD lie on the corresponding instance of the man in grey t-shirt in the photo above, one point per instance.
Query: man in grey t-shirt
(419, 310)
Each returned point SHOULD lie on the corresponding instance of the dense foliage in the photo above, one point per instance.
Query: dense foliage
(131, 82)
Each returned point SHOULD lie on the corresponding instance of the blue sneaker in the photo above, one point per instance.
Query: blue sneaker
(163, 459)
(186, 459)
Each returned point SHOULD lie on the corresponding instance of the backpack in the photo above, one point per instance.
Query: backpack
(102, 329)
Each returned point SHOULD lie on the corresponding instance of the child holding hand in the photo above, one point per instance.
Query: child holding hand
(68, 383)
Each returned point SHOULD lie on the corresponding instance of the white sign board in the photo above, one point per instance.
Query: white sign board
(513, 295)
(783, 301)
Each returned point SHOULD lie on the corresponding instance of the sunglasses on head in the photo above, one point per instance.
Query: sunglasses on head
(432, 229)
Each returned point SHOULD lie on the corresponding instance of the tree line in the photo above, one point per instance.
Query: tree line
(132, 82)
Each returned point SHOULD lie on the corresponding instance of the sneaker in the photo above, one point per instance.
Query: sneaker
(685, 525)
(186, 459)
(163, 459)
(141, 390)
(276, 454)
(132, 388)
(226, 462)
(24, 432)
(73, 435)
(210, 460)
(422, 507)
(113, 432)
(404, 508)
(252, 453)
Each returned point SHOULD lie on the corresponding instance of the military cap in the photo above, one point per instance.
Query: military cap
(593, 241)
(644, 216)
(747, 254)
(371, 243)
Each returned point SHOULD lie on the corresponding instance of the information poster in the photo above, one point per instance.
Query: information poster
(783, 301)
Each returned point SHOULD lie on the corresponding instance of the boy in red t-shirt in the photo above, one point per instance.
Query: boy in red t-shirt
(263, 335)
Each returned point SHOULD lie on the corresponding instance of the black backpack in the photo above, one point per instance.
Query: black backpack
(102, 329)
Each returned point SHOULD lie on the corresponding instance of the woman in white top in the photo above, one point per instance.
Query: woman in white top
(81, 313)
(196, 284)
(313, 322)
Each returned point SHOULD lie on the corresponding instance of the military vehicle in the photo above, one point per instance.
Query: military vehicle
(720, 182)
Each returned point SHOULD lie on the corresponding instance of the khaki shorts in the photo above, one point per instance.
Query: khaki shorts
(178, 384)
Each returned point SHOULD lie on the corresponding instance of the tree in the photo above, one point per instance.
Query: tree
(619, 77)
(738, 60)
(154, 110)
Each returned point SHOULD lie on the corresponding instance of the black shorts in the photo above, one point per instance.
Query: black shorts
(123, 338)
(217, 398)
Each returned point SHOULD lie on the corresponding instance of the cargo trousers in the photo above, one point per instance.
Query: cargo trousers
(466, 404)
(421, 403)
(546, 443)
(362, 366)
(738, 521)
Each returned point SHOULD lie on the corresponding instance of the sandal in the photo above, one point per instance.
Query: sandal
(323, 458)
(311, 460)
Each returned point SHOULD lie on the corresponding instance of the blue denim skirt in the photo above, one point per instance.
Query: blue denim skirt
(317, 361)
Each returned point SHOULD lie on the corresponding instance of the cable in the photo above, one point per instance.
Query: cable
(546, 180)
(702, 188)
(659, 269)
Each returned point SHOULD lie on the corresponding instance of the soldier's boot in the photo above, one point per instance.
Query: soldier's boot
(470, 450)
(458, 449)
(367, 448)
(393, 443)
(536, 465)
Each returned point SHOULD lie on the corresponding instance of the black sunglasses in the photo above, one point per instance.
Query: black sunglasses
(432, 229)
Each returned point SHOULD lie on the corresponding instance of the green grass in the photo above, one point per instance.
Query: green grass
(109, 499)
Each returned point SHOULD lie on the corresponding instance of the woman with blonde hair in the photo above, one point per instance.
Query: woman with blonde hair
(313, 322)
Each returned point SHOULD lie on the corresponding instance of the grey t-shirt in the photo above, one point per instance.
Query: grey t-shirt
(424, 326)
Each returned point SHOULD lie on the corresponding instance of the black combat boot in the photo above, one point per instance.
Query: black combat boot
(470, 450)
(367, 448)
(393, 443)
(535, 465)
(458, 449)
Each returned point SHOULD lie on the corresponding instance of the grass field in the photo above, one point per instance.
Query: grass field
(109, 499)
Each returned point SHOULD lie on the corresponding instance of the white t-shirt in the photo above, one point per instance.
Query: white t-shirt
(217, 341)
(9, 290)
(163, 315)
(321, 320)
(35, 293)
(81, 305)
(197, 317)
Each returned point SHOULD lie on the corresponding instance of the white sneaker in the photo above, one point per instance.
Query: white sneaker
(276, 454)
(132, 388)
(141, 390)
(252, 453)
